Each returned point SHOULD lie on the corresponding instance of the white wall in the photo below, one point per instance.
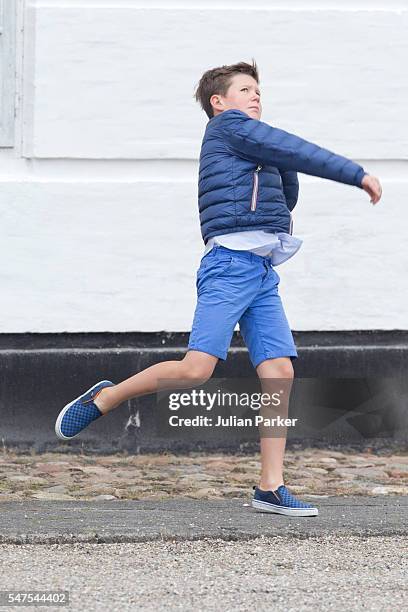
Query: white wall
(99, 216)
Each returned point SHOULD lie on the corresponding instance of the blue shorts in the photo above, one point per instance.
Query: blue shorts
(240, 287)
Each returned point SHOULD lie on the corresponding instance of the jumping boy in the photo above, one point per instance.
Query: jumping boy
(247, 188)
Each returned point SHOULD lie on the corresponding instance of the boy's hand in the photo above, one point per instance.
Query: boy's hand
(372, 186)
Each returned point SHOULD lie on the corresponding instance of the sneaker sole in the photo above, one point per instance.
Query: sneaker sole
(266, 507)
(63, 411)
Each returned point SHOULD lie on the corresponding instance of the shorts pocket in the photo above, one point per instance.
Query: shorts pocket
(213, 269)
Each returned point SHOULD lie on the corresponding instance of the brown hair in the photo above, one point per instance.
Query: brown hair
(218, 80)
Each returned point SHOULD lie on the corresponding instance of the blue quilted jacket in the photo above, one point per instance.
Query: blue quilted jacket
(248, 174)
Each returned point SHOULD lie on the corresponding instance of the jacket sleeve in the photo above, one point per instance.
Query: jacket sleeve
(259, 142)
(290, 186)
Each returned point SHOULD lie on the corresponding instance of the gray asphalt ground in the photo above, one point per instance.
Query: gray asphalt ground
(186, 554)
(335, 572)
(35, 521)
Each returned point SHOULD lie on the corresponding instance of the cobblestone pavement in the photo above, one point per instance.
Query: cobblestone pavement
(308, 472)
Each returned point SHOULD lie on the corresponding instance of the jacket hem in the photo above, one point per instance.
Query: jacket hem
(232, 230)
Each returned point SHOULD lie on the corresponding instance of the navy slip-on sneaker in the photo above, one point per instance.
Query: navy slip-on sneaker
(281, 502)
(79, 413)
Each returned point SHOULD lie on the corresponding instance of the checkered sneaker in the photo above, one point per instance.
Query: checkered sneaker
(281, 501)
(79, 413)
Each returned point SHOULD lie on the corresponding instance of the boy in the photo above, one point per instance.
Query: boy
(247, 189)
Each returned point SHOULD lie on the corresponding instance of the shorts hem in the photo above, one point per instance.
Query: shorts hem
(209, 351)
(289, 354)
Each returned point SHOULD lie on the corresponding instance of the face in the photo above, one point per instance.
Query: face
(243, 94)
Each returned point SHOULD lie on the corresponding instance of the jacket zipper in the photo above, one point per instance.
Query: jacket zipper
(255, 189)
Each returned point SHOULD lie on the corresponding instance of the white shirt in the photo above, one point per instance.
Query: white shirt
(279, 247)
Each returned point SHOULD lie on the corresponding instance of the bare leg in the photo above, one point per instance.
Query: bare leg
(273, 445)
(196, 366)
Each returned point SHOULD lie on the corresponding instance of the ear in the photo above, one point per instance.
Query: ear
(216, 102)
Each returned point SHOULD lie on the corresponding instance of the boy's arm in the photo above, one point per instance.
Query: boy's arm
(290, 185)
(261, 143)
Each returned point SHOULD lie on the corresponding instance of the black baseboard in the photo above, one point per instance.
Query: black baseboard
(41, 372)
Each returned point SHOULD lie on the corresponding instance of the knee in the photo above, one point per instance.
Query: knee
(285, 370)
(276, 368)
(197, 373)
